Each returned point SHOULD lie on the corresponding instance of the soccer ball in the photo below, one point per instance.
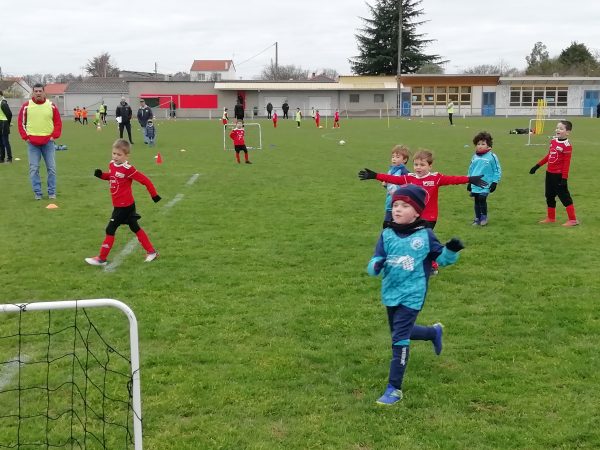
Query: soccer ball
(342, 142)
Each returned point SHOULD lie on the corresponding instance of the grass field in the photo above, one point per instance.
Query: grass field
(259, 327)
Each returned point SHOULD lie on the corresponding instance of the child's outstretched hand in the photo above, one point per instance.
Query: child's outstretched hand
(156, 198)
(98, 173)
(367, 174)
(477, 180)
(533, 169)
(455, 245)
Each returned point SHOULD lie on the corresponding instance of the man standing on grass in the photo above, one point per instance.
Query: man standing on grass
(39, 125)
(144, 114)
(5, 118)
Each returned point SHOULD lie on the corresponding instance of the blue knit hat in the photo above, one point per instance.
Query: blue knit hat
(414, 195)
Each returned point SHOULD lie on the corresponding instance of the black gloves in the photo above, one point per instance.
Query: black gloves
(533, 169)
(367, 174)
(156, 198)
(98, 173)
(379, 265)
(493, 187)
(469, 187)
(477, 181)
(455, 245)
(563, 182)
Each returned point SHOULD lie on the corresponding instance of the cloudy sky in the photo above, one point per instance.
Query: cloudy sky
(54, 37)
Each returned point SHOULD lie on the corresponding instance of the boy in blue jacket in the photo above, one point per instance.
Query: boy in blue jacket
(400, 156)
(484, 163)
(404, 254)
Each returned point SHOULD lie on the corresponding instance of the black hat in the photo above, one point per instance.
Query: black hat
(414, 195)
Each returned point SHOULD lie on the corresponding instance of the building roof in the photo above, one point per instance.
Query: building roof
(55, 88)
(414, 79)
(357, 82)
(212, 65)
(549, 81)
(98, 86)
(6, 84)
(276, 86)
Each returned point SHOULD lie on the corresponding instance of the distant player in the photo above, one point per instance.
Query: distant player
(120, 176)
(274, 118)
(336, 119)
(317, 118)
(298, 117)
(151, 133)
(239, 143)
(84, 114)
(225, 117)
(557, 174)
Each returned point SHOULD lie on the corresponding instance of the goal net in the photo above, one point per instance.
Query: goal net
(252, 136)
(542, 130)
(63, 383)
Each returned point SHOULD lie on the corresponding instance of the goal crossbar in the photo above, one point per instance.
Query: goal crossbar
(533, 125)
(133, 342)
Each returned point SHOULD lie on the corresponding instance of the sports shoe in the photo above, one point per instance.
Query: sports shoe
(151, 257)
(95, 261)
(38, 196)
(390, 396)
(248, 162)
(52, 196)
(483, 221)
(547, 220)
(570, 223)
(475, 222)
(437, 340)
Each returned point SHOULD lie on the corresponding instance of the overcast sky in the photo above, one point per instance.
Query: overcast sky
(58, 37)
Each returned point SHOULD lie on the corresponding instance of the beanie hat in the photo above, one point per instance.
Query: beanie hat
(414, 195)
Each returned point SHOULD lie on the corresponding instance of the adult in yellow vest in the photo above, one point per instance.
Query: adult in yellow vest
(39, 125)
(5, 118)
(450, 109)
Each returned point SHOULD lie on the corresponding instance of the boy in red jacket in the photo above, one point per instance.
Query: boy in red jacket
(237, 135)
(120, 175)
(557, 174)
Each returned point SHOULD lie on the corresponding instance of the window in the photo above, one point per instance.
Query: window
(378, 98)
(354, 98)
(441, 95)
(529, 95)
(201, 77)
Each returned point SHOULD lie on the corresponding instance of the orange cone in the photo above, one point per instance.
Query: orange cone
(158, 158)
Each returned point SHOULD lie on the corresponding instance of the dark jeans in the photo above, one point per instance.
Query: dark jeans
(554, 188)
(127, 126)
(5, 150)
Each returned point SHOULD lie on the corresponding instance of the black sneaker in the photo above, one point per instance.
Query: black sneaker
(248, 162)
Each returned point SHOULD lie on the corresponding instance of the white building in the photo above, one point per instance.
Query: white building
(212, 70)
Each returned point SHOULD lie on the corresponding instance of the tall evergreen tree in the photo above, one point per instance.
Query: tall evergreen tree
(378, 40)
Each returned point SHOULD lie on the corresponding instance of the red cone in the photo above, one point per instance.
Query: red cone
(158, 158)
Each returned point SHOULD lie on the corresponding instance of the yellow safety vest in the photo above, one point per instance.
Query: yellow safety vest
(40, 121)
(2, 115)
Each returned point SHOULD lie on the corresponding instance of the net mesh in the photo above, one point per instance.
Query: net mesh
(62, 385)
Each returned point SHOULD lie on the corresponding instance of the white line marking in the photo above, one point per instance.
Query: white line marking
(169, 205)
(11, 369)
(193, 179)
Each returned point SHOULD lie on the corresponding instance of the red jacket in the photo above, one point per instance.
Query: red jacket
(39, 140)
(121, 177)
(237, 134)
(431, 183)
(558, 157)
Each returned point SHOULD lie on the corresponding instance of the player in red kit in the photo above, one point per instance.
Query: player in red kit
(274, 117)
(557, 174)
(120, 176)
(336, 119)
(239, 143)
(225, 117)
(317, 118)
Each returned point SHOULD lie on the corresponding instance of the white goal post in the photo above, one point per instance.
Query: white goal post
(253, 136)
(535, 137)
(136, 403)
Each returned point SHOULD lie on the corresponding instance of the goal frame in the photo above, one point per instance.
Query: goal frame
(136, 400)
(532, 127)
(231, 126)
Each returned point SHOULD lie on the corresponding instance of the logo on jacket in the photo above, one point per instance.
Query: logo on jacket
(417, 243)
(407, 262)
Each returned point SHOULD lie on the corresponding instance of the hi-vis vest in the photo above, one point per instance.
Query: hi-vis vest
(40, 119)
(2, 115)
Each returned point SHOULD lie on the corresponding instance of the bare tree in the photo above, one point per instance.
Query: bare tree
(289, 72)
(101, 66)
(430, 68)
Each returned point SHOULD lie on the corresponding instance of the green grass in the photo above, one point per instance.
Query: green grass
(259, 328)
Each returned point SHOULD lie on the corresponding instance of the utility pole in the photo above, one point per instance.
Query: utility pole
(399, 72)
(276, 60)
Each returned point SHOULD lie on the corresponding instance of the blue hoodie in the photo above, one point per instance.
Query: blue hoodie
(488, 165)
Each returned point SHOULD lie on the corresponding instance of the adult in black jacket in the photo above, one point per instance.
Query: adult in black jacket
(144, 114)
(5, 118)
(269, 109)
(285, 107)
(124, 114)
(238, 112)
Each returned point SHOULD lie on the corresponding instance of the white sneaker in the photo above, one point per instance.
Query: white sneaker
(52, 196)
(95, 261)
(151, 257)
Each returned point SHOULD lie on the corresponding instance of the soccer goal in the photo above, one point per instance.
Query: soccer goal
(252, 136)
(63, 382)
(541, 131)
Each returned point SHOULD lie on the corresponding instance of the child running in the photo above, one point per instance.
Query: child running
(404, 254)
(485, 163)
(120, 176)
(557, 174)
